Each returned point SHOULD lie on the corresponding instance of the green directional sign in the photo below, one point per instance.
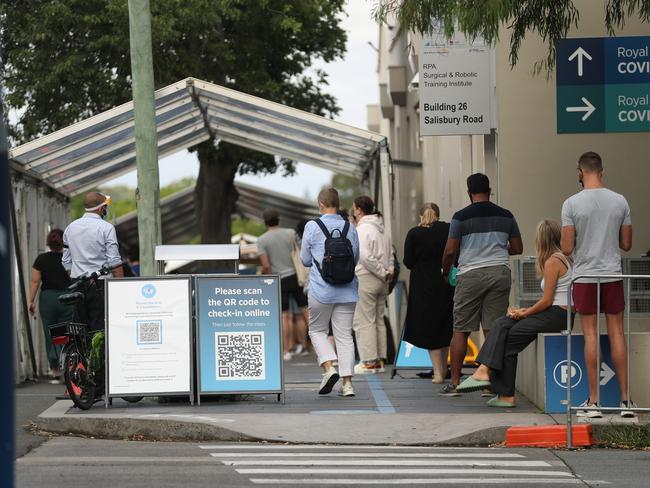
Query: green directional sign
(603, 85)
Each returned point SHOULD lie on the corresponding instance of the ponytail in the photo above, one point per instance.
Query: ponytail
(367, 206)
(429, 213)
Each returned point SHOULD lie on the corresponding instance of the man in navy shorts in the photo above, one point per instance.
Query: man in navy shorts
(595, 225)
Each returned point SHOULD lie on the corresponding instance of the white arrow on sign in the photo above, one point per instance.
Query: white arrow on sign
(606, 374)
(580, 54)
(588, 109)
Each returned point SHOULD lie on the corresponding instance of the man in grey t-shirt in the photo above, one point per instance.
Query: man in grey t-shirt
(595, 224)
(274, 248)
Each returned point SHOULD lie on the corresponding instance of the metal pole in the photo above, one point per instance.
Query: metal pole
(597, 341)
(7, 427)
(146, 145)
(569, 428)
(627, 327)
(386, 207)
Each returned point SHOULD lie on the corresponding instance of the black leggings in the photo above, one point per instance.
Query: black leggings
(508, 337)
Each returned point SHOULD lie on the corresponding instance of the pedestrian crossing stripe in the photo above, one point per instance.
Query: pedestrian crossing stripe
(415, 481)
(280, 464)
(374, 455)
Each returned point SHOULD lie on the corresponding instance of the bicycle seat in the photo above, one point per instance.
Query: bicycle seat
(68, 298)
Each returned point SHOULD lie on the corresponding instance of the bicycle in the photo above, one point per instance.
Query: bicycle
(81, 358)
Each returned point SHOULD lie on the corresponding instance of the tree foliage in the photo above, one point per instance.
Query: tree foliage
(550, 19)
(66, 60)
(349, 188)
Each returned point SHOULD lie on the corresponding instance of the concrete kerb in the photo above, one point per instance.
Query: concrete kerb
(54, 420)
(414, 429)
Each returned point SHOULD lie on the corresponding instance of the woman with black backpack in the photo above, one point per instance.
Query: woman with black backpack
(330, 248)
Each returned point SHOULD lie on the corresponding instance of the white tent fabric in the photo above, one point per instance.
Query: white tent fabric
(100, 148)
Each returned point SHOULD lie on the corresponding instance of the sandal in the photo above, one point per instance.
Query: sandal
(498, 403)
(471, 384)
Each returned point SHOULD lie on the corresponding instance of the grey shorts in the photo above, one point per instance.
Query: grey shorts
(481, 297)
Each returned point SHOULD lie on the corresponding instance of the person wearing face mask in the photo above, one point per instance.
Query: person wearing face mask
(482, 237)
(596, 226)
(88, 244)
(374, 271)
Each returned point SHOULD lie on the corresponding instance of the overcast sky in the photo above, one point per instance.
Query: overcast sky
(353, 81)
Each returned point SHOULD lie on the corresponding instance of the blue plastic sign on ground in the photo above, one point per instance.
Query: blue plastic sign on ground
(412, 357)
(603, 85)
(239, 334)
(557, 371)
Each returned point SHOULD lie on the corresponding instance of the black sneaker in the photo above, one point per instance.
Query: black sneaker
(449, 390)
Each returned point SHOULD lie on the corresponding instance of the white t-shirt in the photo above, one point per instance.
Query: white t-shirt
(277, 243)
(597, 215)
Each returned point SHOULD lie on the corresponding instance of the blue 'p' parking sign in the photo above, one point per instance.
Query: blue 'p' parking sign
(557, 373)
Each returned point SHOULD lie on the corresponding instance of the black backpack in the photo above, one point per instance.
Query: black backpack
(338, 264)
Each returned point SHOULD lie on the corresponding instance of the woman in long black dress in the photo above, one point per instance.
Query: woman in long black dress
(429, 316)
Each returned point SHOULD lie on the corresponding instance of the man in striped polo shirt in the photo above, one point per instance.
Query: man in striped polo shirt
(482, 236)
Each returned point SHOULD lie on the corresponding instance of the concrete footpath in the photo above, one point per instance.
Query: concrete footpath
(406, 410)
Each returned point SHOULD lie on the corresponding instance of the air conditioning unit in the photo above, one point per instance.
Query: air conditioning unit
(527, 284)
(639, 296)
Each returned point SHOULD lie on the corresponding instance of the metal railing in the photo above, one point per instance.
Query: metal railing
(570, 408)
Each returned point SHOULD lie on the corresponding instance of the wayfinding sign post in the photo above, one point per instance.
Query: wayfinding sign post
(455, 87)
(149, 337)
(603, 85)
(239, 347)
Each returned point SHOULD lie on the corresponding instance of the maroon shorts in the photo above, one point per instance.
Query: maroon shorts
(612, 299)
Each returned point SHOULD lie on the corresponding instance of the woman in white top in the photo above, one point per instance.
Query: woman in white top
(374, 270)
(511, 334)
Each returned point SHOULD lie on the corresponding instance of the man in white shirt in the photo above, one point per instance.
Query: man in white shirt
(88, 244)
(595, 225)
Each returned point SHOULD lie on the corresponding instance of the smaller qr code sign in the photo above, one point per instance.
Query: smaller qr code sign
(239, 355)
(149, 332)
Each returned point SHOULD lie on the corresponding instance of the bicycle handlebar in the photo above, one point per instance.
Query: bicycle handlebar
(103, 271)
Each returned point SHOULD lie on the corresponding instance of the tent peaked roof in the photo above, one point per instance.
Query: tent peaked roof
(102, 147)
(178, 213)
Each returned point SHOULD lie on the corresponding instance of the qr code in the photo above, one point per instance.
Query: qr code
(150, 332)
(240, 355)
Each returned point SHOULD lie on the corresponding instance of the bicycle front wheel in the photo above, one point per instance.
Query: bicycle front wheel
(77, 377)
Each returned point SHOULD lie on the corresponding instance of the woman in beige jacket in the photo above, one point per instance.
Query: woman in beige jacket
(374, 271)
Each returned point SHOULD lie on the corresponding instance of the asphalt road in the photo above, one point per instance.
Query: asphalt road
(30, 400)
(74, 462)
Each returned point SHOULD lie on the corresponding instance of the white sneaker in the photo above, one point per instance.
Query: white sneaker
(627, 414)
(593, 413)
(366, 368)
(298, 350)
(346, 390)
(287, 356)
(329, 380)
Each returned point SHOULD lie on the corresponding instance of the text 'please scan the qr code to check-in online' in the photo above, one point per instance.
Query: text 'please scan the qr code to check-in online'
(240, 355)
